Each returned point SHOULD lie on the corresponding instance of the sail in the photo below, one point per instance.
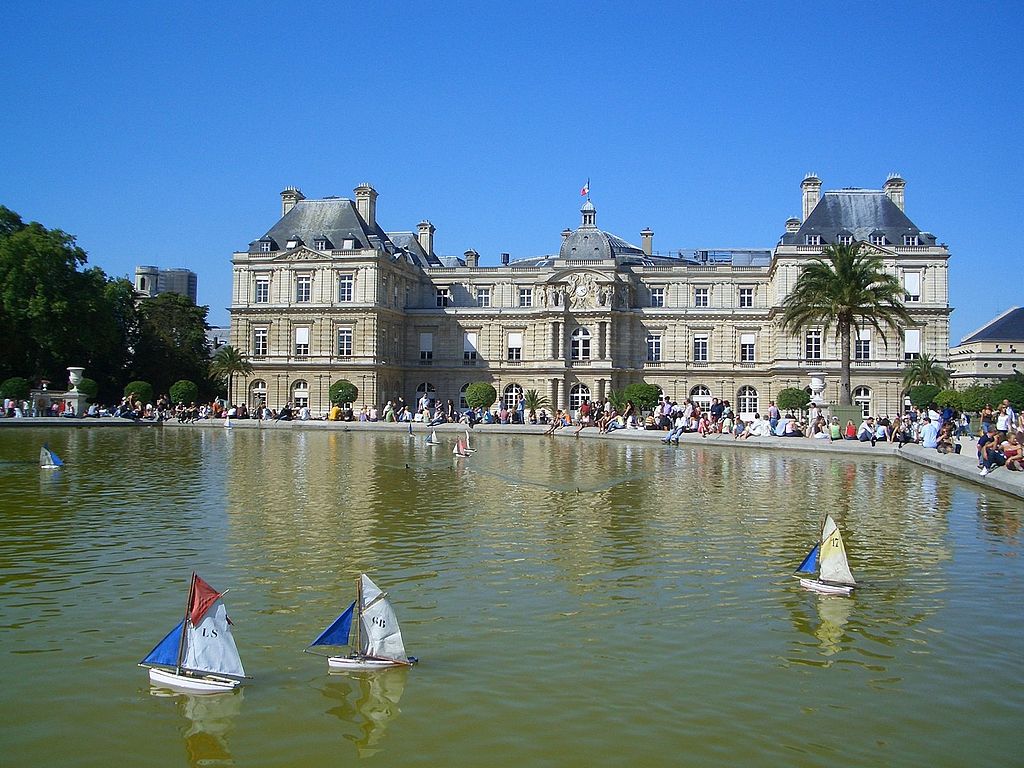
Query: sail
(209, 646)
(810, 563)
(338, 632)
(166, 652)
(380, 635)
(834, 567)
(48, 458)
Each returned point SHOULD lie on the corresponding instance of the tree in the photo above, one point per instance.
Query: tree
(15, 388)
(227, 362)
(90, 388)
(850, 289)
(792, 399)
(1011, 390)
(139, 390)
(643, 395)
(480, 394)
(924, 370)
(184, 391)
(533, 401)
(922, 395)
(343, 392)
(172, 341)
(973, 399)
(950, 397)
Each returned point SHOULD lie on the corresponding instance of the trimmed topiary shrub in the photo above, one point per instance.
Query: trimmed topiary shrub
(184, 391)
(343, 392)
(792, 399)
(15, 388)
(480, 394)
(644, 396)
(142, 391)
(90, 388)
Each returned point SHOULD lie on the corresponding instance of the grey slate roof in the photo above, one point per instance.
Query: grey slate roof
(1009, 326)
(860, 212)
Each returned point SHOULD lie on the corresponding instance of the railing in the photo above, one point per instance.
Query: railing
(585, 363)
(426, 362)
(652, 363)
(699, 364)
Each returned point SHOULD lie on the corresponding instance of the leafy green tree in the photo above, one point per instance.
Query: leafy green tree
(792, 399)
(617, 397)
(142, 391)
(172, 341)
(533, 401)
(184, 391)
(343, 392)
(228, 362)
(924, 370)
(15, 388)
(950, 397)
(643, 395)
(922, 395)
(850, 289)
(973, 399)
(1009, 390)
(480, 394)
(90, 388)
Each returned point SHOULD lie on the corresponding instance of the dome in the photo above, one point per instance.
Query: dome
(589, 242)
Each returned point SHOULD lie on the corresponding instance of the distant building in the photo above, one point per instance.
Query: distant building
(217, 337)
(992, 353)
(152, 281)
(328, 294)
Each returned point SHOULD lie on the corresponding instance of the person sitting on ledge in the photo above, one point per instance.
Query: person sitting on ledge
(989, 451)
(866, 430)
(791, 428)
(1013, 453)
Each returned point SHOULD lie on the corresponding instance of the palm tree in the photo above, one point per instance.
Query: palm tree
(227, 362)
(850, 288)
(925, 370)
(532, 401)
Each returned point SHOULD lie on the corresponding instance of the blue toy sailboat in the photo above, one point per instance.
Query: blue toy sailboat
(827, 561)
(48, 459)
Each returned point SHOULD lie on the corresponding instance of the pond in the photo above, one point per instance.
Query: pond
(572, 603)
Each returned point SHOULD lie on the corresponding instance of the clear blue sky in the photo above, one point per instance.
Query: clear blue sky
(163, 134)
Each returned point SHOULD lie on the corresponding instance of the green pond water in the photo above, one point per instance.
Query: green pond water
(572, 602)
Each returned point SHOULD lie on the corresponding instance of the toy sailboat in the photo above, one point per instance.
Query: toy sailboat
(827, 559)
(467, 447)
(48, 459)
(459, 450)
(378, 641)
(198, 655)
(432, 438)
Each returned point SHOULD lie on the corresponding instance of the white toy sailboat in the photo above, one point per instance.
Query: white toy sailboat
(48, 459)
(827, 559)
(467, 447)
(378, 642)
(432, 438)
(459, 451)
(198, 655)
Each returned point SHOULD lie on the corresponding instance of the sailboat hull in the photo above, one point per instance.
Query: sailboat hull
(166, 678)
(826, 589)
(342, 663)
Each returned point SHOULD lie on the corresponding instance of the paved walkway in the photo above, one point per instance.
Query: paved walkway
(963, 466)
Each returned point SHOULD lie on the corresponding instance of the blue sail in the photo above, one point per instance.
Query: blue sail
(810, 563)
(338, 632)
(54, 459)
(166, 651)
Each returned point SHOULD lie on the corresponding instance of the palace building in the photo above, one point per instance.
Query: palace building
(327, 294)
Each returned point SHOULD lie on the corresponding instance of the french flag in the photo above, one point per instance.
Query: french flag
(586, 189)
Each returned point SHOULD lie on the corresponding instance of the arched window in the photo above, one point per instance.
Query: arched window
(300, 394)
(257, 393)
(428, 389)
(511, 395)
(578, 395)
(862, 398)
(746, 402)
(580, 344)
(462, 396)
(701, 395)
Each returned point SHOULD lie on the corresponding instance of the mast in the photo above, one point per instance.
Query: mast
(184, 625)
(359, 612)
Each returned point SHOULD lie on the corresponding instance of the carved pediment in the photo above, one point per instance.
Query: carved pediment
(302, 253)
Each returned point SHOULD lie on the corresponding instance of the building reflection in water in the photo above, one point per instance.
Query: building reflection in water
(208, 722)
(366, 703)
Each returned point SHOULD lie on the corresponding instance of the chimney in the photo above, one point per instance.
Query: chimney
(366, 205)
(289, 197)
(792, 224)
(811, 187)
(426, 237)
(504, 259)
(894, 186)
(646, 237)
(472, 259)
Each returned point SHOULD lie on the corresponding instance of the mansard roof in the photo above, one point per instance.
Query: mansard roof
(1009, 326)
(589, 242)
(860, 212)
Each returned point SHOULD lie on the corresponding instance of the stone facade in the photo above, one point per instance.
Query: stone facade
(991, 354)
(327, 295)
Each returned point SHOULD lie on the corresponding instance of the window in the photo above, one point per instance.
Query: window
(812, 345)
(303, 288)
(483, 297)
(700, 297)
(747, 341)
(469, 348)
(653, 347)
(265, 246)
(862, 345)
(262, 293)
(346, 286)
(862, 398)
(701, 395)
(300, 394)
(293, 242)
(344, 342)
(700, 347)
(526, 297)
(301, 342)
(348, 244)
(320, 244)
(426, 348)
(512, 395)
(259, 342)
(578, 395)
(580, 344)
(258, 393)
(910, 240)
(658, 297)
(911, 286)
(746, 401)
(515, 345)
(878, 239)
(911, 344)
(746, 298)
(462, 396)
(812, 239)
(444, 297)
(845, 239)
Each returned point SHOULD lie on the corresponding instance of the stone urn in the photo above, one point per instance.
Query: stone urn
(817, 387)
(75, 377)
